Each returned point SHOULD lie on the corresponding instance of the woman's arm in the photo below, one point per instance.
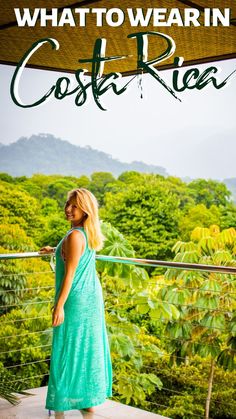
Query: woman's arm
(74, 247)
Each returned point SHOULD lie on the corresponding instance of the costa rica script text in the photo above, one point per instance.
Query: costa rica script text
(100, 84)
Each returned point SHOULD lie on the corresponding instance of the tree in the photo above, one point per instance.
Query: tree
(12, 281)
(147, 213)
(198, 216)
(49, 207)
(98, 184)
(37, 185)
(209, 192)
(207, 325)
(20, 206)
(13, 237)
(186, 386)
(54, 231)
(130, 177)
(228, 215)
(59, 189)
(6, 177)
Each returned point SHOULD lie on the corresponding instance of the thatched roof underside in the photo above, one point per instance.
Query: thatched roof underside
(196, 44)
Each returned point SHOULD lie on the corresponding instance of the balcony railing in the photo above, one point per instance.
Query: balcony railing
(43, 315)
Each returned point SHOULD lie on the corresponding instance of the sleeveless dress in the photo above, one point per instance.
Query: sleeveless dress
(80, 367)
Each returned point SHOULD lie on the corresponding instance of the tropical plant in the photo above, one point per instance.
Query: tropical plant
(131, 347)
(206, 325)
(7, 389)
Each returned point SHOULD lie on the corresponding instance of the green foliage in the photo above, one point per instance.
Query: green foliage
(209, 192)
(49, 207)
(130, 177)
(12, 284)
(163, 330)
(18, 203)
(205, 301)
(13, 237)
(12, 281)
(25, 332)
(198, 216)
(6, 177)
(228, 216)
(147, 214)
(115, 245)
(211, 304)
(98, 184)
(186, 389)
(21, 344)
(130, 347)
(8, 387)
(54, 231)
(18, 206)
(59, 189)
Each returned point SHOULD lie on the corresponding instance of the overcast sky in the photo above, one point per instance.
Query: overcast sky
(195, 137)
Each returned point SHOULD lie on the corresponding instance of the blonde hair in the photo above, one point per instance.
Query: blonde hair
(89, 205)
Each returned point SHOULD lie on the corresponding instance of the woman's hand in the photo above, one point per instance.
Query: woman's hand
(58, 315)
(46, 249)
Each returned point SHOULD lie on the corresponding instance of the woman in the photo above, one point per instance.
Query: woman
(80, 367)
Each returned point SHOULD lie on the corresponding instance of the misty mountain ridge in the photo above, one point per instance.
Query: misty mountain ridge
(44, 153)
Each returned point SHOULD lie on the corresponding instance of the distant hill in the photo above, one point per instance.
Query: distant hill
(46, 154)
(231, 185)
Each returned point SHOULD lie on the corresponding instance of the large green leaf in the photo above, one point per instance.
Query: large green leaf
(122, 345)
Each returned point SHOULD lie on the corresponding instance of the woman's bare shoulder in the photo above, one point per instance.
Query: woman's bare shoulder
(75, 237)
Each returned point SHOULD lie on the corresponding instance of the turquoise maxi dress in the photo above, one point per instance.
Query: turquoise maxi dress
(80, 367)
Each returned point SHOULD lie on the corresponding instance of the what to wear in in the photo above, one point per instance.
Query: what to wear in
(80, 366)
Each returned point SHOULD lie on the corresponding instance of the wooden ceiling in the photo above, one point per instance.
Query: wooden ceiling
(197, 44)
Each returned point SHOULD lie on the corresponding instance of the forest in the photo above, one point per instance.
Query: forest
(172, 332)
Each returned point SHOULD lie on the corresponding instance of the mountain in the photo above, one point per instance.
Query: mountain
(46, 154)
(206, 152)
(231, 185)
